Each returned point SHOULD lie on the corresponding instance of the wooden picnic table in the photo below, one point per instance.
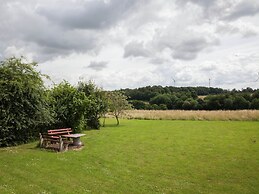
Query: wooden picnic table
(75, 137)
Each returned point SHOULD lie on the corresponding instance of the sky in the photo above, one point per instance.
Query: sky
(136, 43)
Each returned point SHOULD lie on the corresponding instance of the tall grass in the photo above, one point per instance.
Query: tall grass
(239, 115)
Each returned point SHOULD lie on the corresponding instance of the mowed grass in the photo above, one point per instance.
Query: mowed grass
(142, 156)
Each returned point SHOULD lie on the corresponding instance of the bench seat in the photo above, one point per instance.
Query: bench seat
(48, 141)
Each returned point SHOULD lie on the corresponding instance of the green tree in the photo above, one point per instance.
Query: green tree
(255, 94)
(255, 103)
(117, 104)
(190, 104)
(164, 99)
(138, 104)
(69, 106)
(228, 103)
(98, 103)
(23, 104)
(240, 103)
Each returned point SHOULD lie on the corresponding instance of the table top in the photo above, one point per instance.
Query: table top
(74, 135)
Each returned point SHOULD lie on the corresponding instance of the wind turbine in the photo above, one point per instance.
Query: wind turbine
(209, 82)
(174, 82)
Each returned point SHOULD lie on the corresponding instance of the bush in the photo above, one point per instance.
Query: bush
(23, 106)
(98, 103)
(69, 106)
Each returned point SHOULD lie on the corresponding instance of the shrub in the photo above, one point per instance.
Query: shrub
(23, 106)
(98, 103)
(69, 106)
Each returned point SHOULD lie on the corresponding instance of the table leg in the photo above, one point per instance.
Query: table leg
(77, 141)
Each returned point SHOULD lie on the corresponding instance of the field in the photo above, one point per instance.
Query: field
(238, 115)
(142, 156)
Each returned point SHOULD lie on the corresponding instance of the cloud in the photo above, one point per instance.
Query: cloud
(225, 10)
(136, 49)
(246, 29)
(97, 66)
(24, 28)
(78, 14)
(241, 9)
(184, 45)
(157, 39)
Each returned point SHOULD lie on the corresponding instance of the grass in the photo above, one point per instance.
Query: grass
(239, 115)
(142, 156)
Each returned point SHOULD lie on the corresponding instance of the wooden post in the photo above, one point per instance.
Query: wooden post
(60, 144)
(41, 140)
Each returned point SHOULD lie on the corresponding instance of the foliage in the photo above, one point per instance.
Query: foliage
(69, 106)
(77, 107)
(23, 107)
(117, 103)
(255, 104)
(161, 99)
(191, 98)
(98, 103)
(190, 104)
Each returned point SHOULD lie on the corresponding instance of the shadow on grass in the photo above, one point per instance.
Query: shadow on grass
(112, 125)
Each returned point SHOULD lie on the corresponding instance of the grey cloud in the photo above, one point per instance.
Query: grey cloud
(135, 49)
(243, 8)
(185, 45)
(48, 30)
(98, 66)
(208, 67)
(188, 49)
(87, 14)
(157, 60)
(204, 3)
(244, 28)
(225, 10)
(23, 28)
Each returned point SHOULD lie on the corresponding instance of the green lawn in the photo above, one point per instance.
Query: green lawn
(142, 156)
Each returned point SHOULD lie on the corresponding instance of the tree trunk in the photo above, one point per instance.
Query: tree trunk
(117, 118)
(104, 121)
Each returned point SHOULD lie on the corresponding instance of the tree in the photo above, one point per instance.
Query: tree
(69, 106)
(164, 99)
(255, 94)
(138, 104)
(98, 103)
(23, 103)
(190, 104)
(240, 102)
(255, 103)
(117, 104)
(228, 103)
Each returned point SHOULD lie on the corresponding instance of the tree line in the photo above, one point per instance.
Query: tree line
(192, 98)
(27, 107)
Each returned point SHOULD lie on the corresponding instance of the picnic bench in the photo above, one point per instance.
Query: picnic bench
(53, 139)
(55, 133)
(48, 141)
(60, 139)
